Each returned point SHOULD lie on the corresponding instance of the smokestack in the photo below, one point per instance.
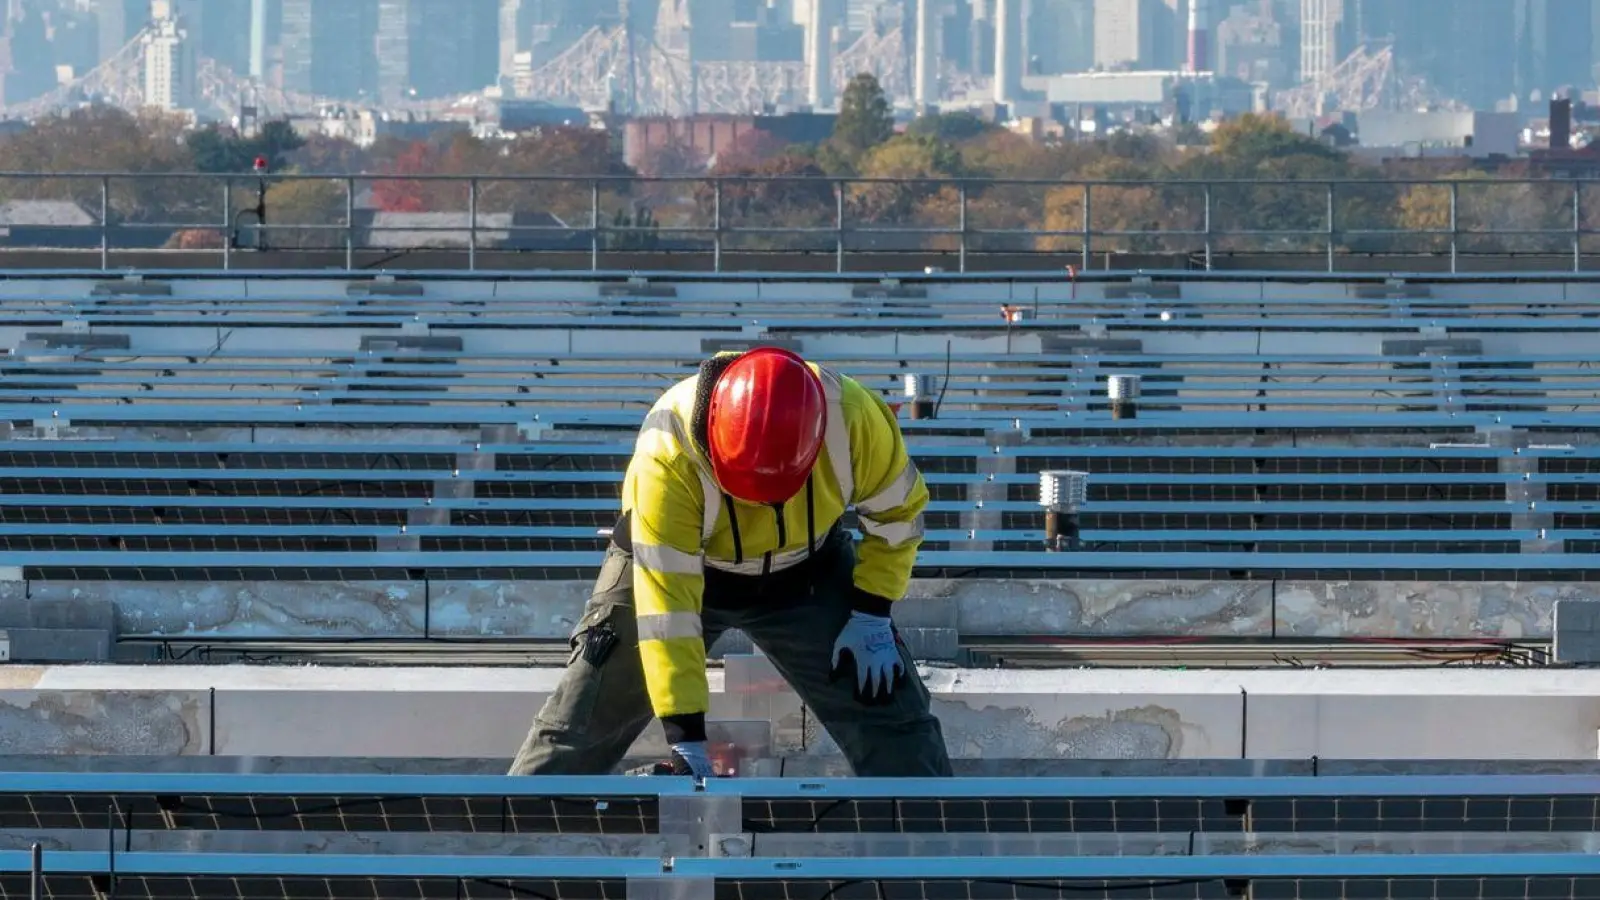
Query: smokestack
(1007, 50)
(923, 88)
(1199, 36)
(1561, 124)
(258, 39)
(819, 71)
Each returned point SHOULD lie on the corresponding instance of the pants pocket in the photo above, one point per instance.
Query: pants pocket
(603, 630)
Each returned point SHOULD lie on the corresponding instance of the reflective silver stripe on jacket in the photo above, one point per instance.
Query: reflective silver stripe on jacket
(666, 626)
(837, 436)
(669, 421)
(892, 533)
(895, 495)
(667, 560)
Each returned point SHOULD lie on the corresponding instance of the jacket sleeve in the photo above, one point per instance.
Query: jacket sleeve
(890, 496)
(665, 501)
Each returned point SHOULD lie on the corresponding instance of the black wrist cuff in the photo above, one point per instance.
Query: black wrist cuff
(871, 604)
(685, 727)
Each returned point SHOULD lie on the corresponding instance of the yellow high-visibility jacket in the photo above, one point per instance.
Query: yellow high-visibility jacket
(679, 522)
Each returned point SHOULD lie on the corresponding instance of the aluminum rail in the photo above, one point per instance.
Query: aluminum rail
(570, 533)
(400, 414)
(974, 561)
(973, 788)
(958, 868)
(623, 447)
(615, 476)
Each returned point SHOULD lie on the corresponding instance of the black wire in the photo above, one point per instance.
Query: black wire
(515, 889)
(343, 804)
(1058, 888)
(939, 403)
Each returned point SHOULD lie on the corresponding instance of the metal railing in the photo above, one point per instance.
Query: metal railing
(482, 222)
(701, 841)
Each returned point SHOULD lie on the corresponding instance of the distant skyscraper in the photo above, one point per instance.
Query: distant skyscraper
(432, 48)
(169, 56)
(1061, 36)
(119, 21)
(1136, 34)
(1554, 46)
(1320, 52)
(516, 35)
(328, 47)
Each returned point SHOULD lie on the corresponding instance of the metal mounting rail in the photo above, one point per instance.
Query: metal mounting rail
(958, 868)
(951, 559)
(613, 786)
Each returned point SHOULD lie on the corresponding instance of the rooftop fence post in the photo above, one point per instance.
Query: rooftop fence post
(472, 225)
(1331, 227)
(1088, 228)
(716, 225)
(1577, 226)
(594, 226)
(838, 226)
(227, 223)
(349, 224)
(961, 211)
(1455, 224)
(105, 222)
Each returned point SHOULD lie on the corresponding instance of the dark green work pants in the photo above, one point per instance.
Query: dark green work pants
(599, 709)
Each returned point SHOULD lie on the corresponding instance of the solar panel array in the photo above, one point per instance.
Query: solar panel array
(1340, 838)
(484, 430)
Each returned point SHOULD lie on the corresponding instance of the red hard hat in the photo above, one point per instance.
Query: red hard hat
(765, 425)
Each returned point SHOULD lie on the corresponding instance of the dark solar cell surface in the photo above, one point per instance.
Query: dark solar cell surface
(1387, 814)
(631, 816)
(492, 815)
(79, 887)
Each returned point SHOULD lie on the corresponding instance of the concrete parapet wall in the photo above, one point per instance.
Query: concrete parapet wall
(546, 610)
(1471, 714)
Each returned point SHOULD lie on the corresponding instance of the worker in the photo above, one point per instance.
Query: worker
(731, 518)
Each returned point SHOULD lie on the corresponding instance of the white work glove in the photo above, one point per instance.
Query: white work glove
(870, 642)
(690, 758)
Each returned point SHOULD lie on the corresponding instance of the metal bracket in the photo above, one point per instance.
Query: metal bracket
(688, 822)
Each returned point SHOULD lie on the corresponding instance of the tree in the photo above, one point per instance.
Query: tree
(788, 191)
(323, 155)
(954, 127)
(107, 139)
(216, 150)
(865, 119)
(749, 149)
(308, 201)
(393, 194)
(671, 159)
(922, 192)
(1136, 207)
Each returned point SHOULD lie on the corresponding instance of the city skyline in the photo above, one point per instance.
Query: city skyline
(694, 55)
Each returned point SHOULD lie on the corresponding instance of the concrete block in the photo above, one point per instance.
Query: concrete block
(52, 610)
(52, 340)
(1427, 347)
(69, 645)
(384, 287)
(718, 345)
(411, 343)
(638, 290)
(932, 643)
(1082, 343)
(1577, 632)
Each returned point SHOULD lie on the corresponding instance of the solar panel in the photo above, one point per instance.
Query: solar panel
(620, 805)
(471, 804)
(1110, 814)
(91, 876)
